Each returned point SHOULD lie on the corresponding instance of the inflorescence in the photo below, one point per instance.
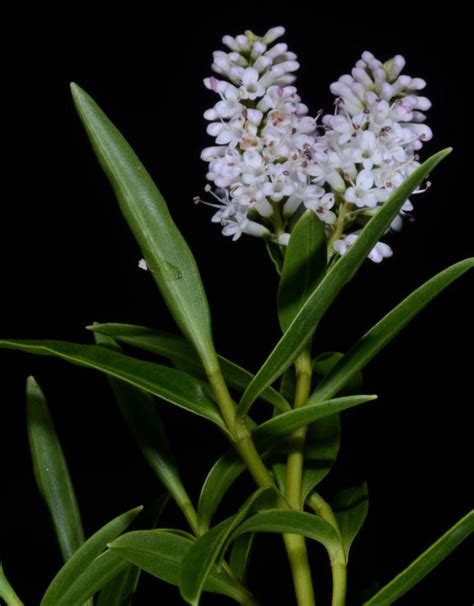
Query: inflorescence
(271, 160)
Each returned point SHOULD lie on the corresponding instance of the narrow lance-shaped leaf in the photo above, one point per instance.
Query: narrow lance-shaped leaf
(51, 472)
(180, 352)
(350, 507)
(425, 563)
(304, 266)
(385, 330)
(121, 589)
(168, 256)
(170, 384)
(267, 437)
(141, 414)
(292, 522)
(301, 329)
(63, 583)
(90, 580)
(161, 553)
(7, 592)
(209, 549)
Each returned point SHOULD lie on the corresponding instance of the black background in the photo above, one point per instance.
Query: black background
(68, 260)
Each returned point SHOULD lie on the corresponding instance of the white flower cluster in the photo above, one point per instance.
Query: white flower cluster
(271, 160)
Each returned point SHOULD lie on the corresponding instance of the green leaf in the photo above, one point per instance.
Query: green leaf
(385, 330)
(63, 584)
(144, 421)
(183, 355)
(240, 555)
(161, 553)
(291, 522)
(301, 329)
(121, 589)
(92, 579)
(209, 548)
(425, 563)
(304, 266)
(51, 472)
(7, 592)
(170, 384)
(350, 507)
(266, 437)
(167, 255)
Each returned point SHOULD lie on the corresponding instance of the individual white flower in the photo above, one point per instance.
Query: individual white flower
(366, 150)
(142, 264)
(363, 192)
(323, 209)
(380, 252)
(251, 88)
(236, 229)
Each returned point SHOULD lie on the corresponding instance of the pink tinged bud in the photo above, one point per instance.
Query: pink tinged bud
(211, 153)
(387, 91)
(273, 34)
(342, 90)
(236, 72)
(211, 83)
(379, 75)
(278, 49)
(422, 103)
(398, 63)
(359, 90)
(243, 42)
(418, 117)
(368, 57)
(404, 81)
(262, 63)
(230, 43)
(423, 132)
(211, 114)
(258, 49)
(289, 66)
(363, 77)
(417, 84)
(214, 128)
(236, 57)
(346, 79)
(286, 79)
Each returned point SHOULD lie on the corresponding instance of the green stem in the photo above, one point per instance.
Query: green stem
(344, 208)
(295, 544)
(7, 592)
(338, 562)
(339, 582)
